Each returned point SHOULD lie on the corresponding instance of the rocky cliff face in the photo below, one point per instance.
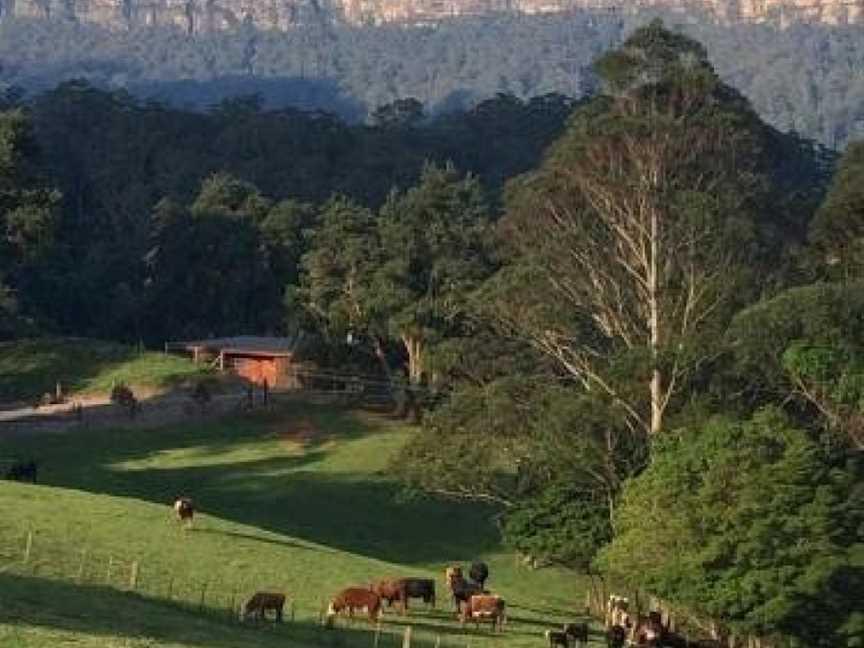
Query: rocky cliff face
(196, 16)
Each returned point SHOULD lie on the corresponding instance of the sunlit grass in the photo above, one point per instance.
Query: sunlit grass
(30, 368)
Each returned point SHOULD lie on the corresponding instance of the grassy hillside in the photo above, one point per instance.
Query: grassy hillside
(295, 500)
(29, 368)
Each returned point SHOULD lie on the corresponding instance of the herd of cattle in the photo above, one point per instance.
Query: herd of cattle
(472, 601)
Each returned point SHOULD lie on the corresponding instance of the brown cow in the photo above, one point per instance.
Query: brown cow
(354, 598)
(391, 590)
(404, 589)
(485, 606)
(257, 606)
(648, 631)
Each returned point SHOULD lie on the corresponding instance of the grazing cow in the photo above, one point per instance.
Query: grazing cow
(617, 611)
(184, 509)
(354, 598)
(404, 589)
(421, 588)
(461, 589)
(23, 471)
(556, 638)
(391, 590)
(452, 572)
(616, 636)
(256, 607)
(579, 632)
(485, 606)
(478, 573)
(648, 631)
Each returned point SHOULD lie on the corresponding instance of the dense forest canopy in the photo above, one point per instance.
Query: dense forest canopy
(805, 77)
(632, 322)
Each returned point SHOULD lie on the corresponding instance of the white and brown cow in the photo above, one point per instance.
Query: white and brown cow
(485, 606)
(185, 510)
(256, 607)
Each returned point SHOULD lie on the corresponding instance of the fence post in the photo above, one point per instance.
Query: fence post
(82, 566)
(133, 576)
(203, 595)
(108, 570)
(292, 610)
(377, 634)
(171, 588)
(231, 608)
(406, 638)
(28, 547)
(437, 641)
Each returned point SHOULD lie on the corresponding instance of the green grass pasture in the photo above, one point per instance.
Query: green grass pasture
(296, 500)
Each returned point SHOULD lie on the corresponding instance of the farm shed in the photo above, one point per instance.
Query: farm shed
(257, 359)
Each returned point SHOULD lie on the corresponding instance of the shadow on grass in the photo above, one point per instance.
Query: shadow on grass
(348, 509)
(258, 538)
(39, 605)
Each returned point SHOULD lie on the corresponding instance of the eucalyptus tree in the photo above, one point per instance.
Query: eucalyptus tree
(436, 244)
(629, 247)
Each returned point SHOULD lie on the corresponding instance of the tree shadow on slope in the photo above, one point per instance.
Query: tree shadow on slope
(36, 604)
(241, 470)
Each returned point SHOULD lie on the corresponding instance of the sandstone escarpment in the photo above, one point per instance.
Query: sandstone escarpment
(196, 16)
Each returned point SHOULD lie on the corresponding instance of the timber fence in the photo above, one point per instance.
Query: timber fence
(325, 387)
(32, 555)
(675, 618)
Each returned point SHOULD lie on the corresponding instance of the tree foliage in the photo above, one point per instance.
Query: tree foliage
(638, 229)
(836, 234)
(27, 214)
(749, 522)
(804, 344)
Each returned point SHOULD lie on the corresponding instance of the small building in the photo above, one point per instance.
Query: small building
(258, 359)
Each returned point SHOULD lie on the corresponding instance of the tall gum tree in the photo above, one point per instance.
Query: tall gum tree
(435, 240)
(635, 237)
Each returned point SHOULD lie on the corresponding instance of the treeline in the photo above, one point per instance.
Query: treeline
(805, 77)
(133, 180)
(632, 324)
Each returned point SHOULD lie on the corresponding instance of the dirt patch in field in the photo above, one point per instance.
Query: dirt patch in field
(302, 432)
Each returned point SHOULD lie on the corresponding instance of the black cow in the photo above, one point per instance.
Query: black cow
(478, 573)
(422, 588)
(556, 638)
(579, 632)
(23, 471)
(616, 636)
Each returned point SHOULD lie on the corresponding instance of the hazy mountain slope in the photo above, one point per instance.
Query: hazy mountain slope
(806, 77)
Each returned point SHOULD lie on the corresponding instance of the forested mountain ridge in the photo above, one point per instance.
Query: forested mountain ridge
(806, 77)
